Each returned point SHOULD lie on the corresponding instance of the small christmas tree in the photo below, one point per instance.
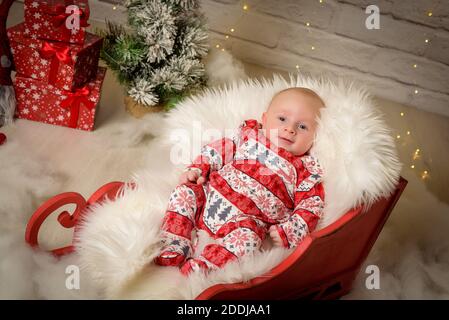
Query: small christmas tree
(158, 56)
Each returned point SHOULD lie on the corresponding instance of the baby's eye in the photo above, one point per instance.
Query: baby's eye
(281, 118)
(302, 126)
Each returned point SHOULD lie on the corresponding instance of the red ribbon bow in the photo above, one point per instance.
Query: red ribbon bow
(73, 103)
(57, 54)
(60, 16)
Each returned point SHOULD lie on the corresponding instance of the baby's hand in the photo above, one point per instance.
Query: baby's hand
(191, 176)
(274, 235)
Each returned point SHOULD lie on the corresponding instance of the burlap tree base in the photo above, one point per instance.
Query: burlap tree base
(138, 110)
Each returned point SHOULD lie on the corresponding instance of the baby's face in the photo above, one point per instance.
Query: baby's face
(290, 120)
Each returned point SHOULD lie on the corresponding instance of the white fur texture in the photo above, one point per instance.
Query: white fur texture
(7, 105)
(119, 239)
(39, 161)
(221, 67)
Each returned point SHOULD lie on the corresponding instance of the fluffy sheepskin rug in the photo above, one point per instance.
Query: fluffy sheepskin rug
(118, 239)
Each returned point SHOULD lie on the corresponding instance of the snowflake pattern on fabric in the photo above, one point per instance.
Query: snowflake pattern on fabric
(296, 230)
(316, 172)
(256, 152)
(313, 204)
(183, 201)
(241, 242)
(263, 198)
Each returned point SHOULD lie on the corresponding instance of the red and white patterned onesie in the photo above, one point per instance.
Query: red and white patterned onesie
(251, 185)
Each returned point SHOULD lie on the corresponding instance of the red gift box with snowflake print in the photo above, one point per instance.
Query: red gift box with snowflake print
(42, 102)
(57, 20)
(66, 66)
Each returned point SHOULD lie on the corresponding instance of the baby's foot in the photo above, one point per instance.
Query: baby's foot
(170, 258)
(194, 265)
(173, 252)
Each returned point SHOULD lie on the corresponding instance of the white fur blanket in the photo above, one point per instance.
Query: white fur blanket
(118, 239)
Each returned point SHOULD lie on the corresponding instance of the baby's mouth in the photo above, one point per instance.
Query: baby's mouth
(288, 141)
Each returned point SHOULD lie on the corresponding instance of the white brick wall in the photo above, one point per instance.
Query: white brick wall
(273, 33)
(379, 86)
(318, 15)
(411, 10)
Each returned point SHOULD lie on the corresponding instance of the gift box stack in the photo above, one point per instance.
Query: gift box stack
(58, 80)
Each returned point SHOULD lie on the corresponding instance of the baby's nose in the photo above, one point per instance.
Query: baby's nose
(289, 129)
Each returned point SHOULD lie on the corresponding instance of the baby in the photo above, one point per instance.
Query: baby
(262, 181)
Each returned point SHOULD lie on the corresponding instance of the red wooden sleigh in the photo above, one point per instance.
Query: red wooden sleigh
(324, 266)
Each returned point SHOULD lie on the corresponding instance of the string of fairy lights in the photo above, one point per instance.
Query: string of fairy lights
(417, 154)
(245, 6)
(421, 169)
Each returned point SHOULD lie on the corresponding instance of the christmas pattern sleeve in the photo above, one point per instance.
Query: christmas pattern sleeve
(215, 155)
(66, 66)
(309, 204)
(57, 20)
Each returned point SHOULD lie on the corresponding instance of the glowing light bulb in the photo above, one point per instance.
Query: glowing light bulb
(416, 91)
(430, 13)
(415, 66)
(398, 136)
(412, 166)
(313, 48)
(114, 8)
(402, 114)
(426, 41)
(408, 133)
(308, 24)
(232, 29)
(217, 46)
(416, 155)
(245, 7)
(227, 37)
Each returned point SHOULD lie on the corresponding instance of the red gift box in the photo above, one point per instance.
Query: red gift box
(57, 20)
(66, 66)
(42, 102)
